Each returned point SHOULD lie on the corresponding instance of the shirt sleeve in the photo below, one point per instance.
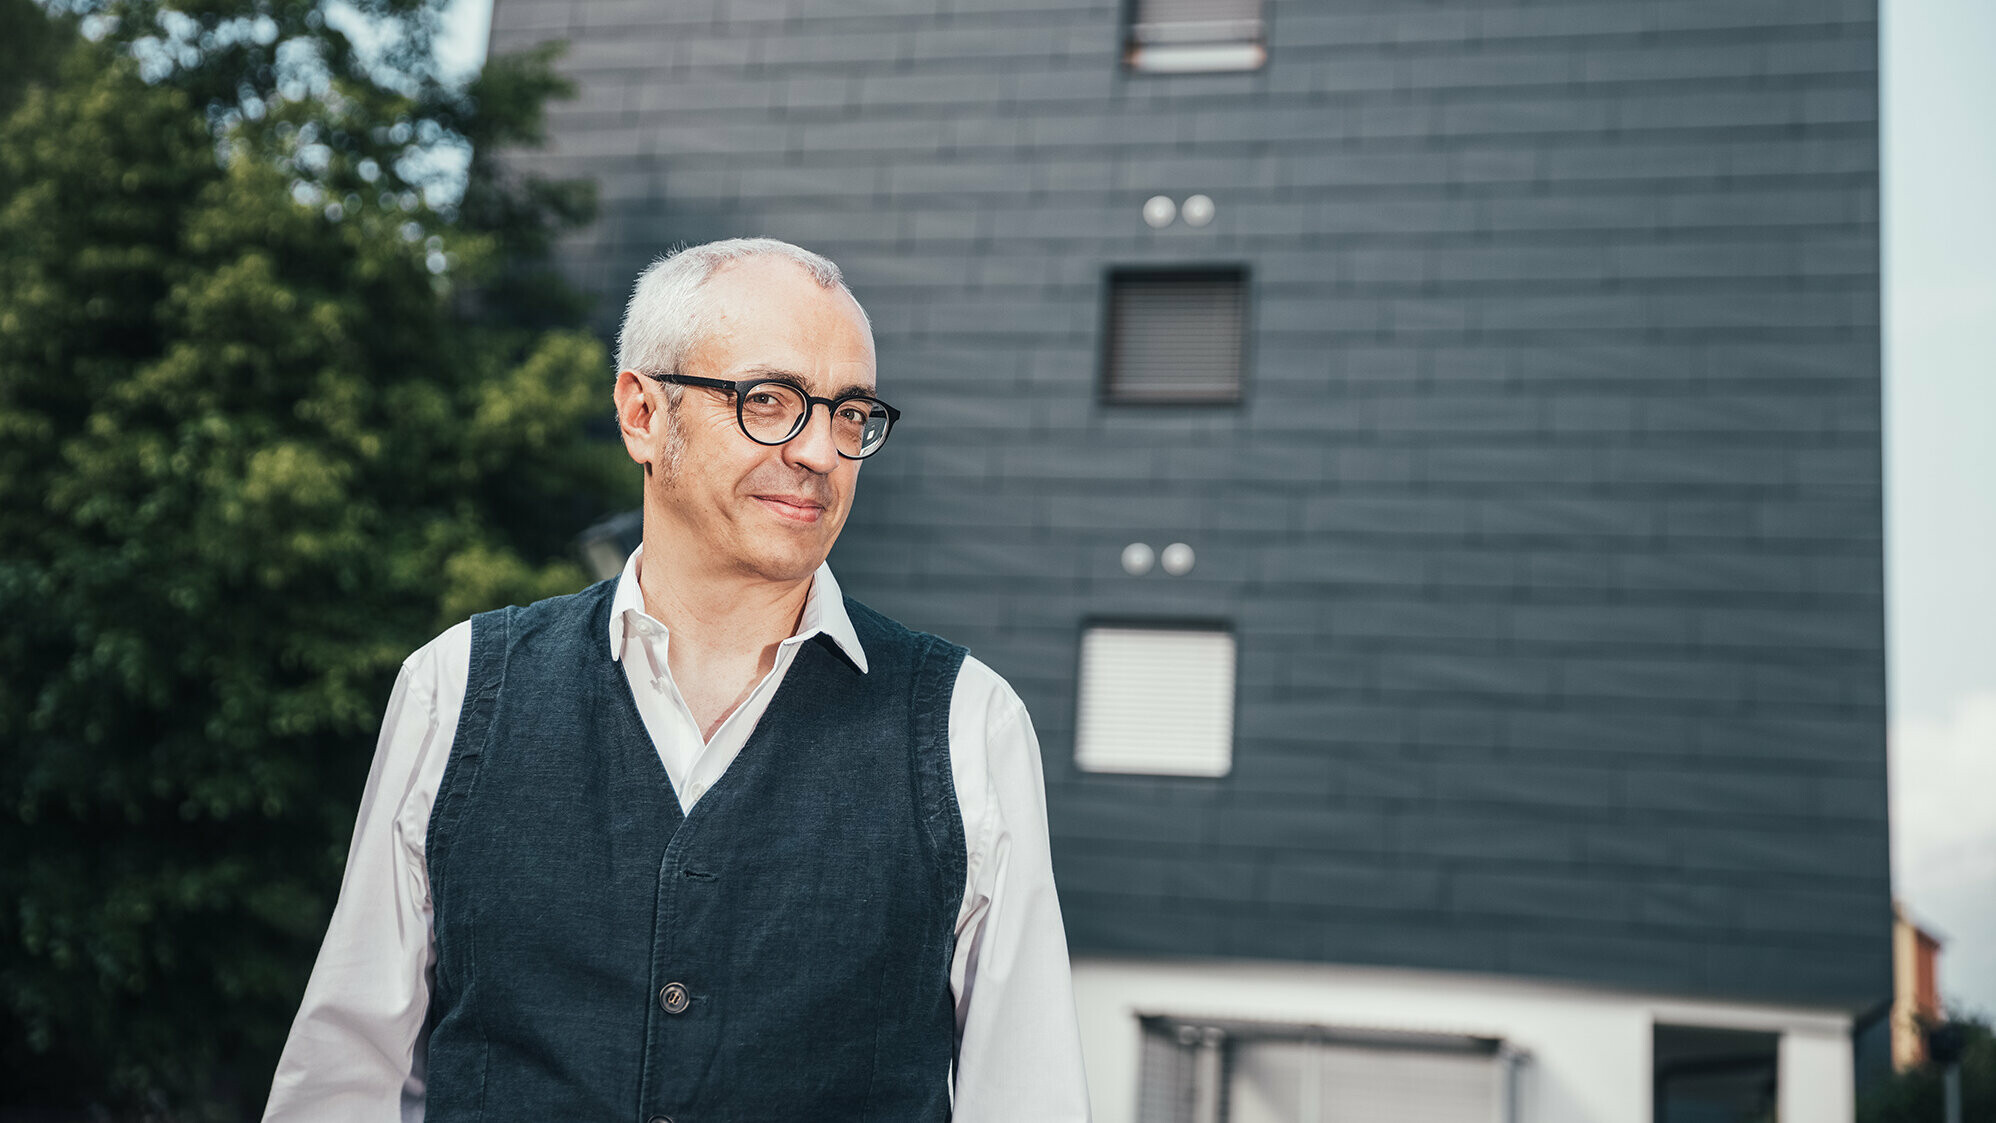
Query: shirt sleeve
(356, 1047)
(1018, 1041)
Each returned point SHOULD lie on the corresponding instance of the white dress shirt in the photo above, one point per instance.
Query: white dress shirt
(356, 1048)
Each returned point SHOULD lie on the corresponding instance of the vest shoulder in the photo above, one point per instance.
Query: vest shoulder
(568, 609)
(873, 627)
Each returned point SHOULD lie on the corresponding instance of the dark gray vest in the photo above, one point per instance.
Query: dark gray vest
(782, 953)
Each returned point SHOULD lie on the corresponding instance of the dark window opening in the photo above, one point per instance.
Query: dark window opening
(1715, 1075)
(1175, 336)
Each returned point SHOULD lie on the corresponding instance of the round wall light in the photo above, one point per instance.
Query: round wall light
(1137, 559)
(1177, 559)
(1159, 210)
(1198, 210)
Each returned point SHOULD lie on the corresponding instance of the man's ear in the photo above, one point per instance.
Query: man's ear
(641, 424)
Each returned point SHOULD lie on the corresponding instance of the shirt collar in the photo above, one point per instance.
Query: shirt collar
(824, 611)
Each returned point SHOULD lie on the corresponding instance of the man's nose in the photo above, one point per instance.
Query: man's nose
(814, 448)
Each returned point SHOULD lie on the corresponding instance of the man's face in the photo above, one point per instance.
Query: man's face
(766, 511)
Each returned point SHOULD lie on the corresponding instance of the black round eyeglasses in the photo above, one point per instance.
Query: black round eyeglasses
(772, 411)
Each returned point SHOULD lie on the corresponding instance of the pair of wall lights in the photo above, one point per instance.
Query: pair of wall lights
(1177, 559)
(1159, 211)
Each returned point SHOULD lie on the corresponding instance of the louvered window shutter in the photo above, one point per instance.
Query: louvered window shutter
(1195, 21)
(1156, 700)
(1175, 337)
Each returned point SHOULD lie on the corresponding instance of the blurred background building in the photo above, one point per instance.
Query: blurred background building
(1420, 464)
(1916, 996)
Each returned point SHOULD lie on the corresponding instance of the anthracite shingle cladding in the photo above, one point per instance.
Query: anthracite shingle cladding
(1549, 524)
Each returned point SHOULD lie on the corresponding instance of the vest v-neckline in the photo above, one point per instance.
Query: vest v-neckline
(620, 685)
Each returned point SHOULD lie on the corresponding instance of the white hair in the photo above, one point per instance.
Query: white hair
(667, 316)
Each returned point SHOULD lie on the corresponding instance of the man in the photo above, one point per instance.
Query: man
(708, 841)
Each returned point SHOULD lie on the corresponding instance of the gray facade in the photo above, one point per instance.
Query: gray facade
(1549, 521)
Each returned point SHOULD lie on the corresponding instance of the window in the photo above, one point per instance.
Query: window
(1175, 336)
(1156, 700)
(1177, 36)
(1715, 1075)
(1250, 1072)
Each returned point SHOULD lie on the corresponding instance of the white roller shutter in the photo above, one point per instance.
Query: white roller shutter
(1232, 1071)
(1186, 36)
(1306, 1082)
(1156, 700)
(1196, 21)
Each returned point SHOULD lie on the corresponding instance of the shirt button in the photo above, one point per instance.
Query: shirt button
(672, 998)
(696, 791)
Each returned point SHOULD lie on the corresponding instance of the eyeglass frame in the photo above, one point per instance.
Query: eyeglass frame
(741, 387)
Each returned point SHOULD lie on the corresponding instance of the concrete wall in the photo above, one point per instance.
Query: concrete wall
(1549, 524)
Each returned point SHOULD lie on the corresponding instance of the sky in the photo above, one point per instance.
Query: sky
(466, 32)
(1938, 98)
(1939, 91)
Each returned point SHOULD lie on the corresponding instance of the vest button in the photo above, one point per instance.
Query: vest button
(661, 1119)
(672, 998)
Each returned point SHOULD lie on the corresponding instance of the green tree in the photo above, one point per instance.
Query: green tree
(25, 48)
(1916, 1095)
(274, 409)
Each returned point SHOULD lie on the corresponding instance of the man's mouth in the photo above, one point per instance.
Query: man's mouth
(794, 507)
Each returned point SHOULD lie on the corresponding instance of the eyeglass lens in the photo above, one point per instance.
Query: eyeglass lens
(774, 412)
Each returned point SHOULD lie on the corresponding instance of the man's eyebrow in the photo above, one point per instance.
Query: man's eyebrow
(777, 373)
(849, 390)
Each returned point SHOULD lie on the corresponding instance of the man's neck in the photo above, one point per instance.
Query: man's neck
(717, 615)
(726, 628)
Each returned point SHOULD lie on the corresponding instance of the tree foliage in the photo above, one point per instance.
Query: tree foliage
(275, 407)
(1917, 1095)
